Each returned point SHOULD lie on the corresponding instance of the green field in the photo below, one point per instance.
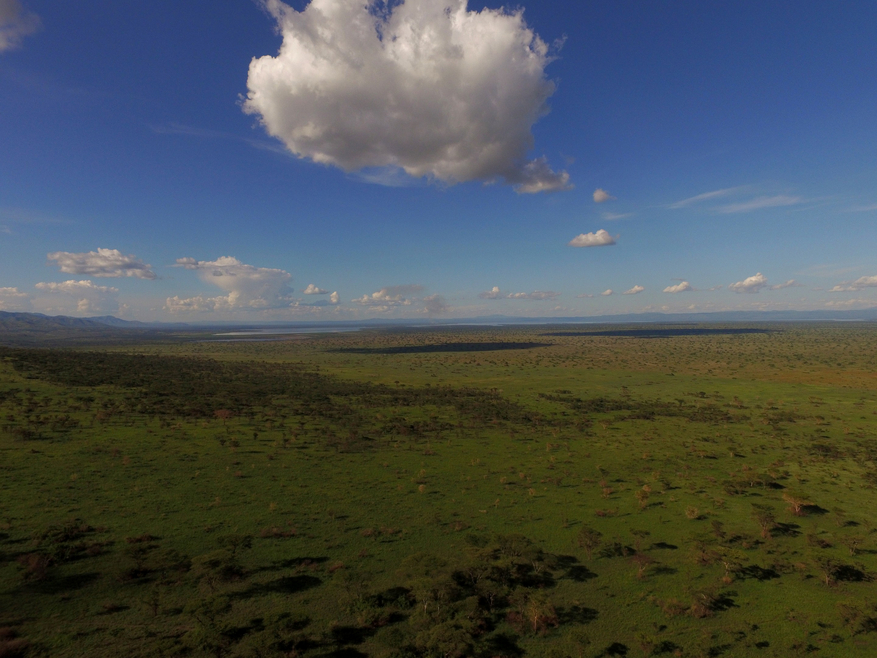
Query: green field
(691, 490)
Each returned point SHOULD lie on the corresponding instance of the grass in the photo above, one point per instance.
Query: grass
(348, 494)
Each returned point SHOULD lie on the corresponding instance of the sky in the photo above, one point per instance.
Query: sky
(256, 161)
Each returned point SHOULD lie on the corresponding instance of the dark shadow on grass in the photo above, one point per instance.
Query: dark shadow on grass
(574, 569)
(60, 584)
(439, 348)
(814, 509)
(616, 649)
(576, 615)
(352, 634)
(786, 530)
(758, 573)
(285, 585)
(503, 644)
(850, 574)
(292, 563)
(723, 602)
(664, 333)
(345, 652)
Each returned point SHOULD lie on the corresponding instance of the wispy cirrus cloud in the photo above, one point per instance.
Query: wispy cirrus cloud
(536, 295)
(706, 196)
(867, 208)
(205, 133)
(16, 22)
(614, 216)
(760, 203)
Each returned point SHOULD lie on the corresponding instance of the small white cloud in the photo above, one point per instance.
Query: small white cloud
(16, 22)
(584, 296)
(536, 176)
(106, 263)
(683, 286)
(388, 297)
(427, 87)
(752, 284)
(248, 287)
(313, 290)
(536, 295)
(599, 239)
(493, 293)
(759, 203)
(859, 284)
(12, 299)
(633, 291)
(90, 298)
(602, 196)
(434, 305)
(199, 304)
(608, 292)
(334, 298)
(791, 283)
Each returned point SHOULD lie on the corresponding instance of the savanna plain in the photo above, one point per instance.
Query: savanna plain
(566, 491)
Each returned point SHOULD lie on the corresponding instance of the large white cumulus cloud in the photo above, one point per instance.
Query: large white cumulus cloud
(427, 86)
(248, 287)
(89, 297)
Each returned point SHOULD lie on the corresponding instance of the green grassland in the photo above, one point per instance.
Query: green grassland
(510, 491)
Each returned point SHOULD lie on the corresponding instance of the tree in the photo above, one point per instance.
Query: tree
(796, 503)
(765, 519)
(642, 562)
(589, 539)
(642, 497)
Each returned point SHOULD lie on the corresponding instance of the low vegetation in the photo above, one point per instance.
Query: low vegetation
(562, 491)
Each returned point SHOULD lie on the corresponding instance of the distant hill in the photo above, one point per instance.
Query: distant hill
(867, 315)
(36, 329)
(31, 329)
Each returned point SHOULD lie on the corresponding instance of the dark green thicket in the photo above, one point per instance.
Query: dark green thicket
(190, 387)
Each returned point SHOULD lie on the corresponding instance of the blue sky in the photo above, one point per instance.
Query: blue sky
(705, 156)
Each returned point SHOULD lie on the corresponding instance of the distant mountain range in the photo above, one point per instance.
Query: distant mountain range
(22, 329)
